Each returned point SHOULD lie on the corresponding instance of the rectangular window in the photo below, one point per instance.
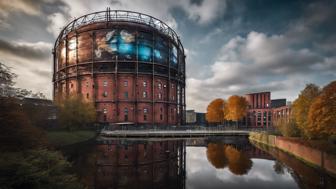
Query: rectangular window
(145, 117)
(161, 116)
(145, 110)
(126, 95)
(125, 83)
(104, 83)
(159, 85)
(160, 96)
(144, 84)
(144, 94)
(105, 94)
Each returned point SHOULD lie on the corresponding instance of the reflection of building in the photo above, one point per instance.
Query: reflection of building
(131, 65)
(262, 111)
(140, 164)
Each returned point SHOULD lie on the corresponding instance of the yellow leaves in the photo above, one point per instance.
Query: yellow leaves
(215, 111)
(302, 104)
(322, 113)
(236, 108)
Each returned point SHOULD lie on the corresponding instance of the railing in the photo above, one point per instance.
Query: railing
(120, 16)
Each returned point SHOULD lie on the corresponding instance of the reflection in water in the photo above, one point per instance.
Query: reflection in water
(221, 155)
(227, 162)
(140, 164)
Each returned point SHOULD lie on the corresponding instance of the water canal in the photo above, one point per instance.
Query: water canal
(198, 163)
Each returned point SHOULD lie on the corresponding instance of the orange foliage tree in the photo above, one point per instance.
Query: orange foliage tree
(322, 113)
(236, 108)
(302, 105)
(215, 111)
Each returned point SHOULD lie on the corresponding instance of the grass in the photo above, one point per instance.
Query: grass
(63, 138)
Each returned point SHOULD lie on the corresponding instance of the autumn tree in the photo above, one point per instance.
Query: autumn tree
(288, 128)
(215, 111)
(236, 108)
(302, 105)
(322, 113)
(74, 112)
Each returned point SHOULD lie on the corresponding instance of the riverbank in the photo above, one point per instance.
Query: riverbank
(62, 138)
(313, 156)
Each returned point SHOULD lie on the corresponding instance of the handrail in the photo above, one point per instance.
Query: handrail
(117, 16)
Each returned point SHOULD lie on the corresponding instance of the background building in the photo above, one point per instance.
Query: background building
(262, 111)
(130, 65)
(259, 109)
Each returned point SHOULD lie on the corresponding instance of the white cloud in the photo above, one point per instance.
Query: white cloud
(256, 63)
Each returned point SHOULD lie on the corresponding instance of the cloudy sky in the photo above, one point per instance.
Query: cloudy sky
(232, 46)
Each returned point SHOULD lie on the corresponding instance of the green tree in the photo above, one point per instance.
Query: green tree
(322, 113)
(75, 113)
(17, 132)
(301, 107)
(36, 169)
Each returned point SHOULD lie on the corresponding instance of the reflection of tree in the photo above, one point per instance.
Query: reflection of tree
(239, 163)
(220, 156)
(216, 155)
(278, 167)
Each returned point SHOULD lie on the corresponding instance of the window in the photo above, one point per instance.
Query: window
(71, 85)
(144, 94)
(160, 96)
(145, 110)
(104, 83)
(87, 95)
(105, 94)
(145, 117)
(125, 83)
(160, 109)
(105, 111)
(87, 84)
(144, 84)
(172, 86)
(126, 95)
(159, 85)
(161, 117)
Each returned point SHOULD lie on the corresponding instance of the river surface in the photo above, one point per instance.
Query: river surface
(220, 162)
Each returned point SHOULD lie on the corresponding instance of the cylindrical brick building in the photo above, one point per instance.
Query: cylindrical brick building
(130, 65)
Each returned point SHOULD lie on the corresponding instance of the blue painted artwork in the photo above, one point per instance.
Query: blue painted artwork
(145, 52)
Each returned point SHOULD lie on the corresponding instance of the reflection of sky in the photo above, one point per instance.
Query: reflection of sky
(201, 174)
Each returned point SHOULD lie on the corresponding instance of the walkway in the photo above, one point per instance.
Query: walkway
(172, 134)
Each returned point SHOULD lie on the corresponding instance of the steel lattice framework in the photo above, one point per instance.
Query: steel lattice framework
(120, 16)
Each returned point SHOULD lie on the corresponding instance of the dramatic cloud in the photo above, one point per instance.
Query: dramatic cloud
(39, 50)
(232, 47)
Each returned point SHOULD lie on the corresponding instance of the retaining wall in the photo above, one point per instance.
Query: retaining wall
(308, 154)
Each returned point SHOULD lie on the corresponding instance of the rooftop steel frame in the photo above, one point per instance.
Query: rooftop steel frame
(120, 16)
